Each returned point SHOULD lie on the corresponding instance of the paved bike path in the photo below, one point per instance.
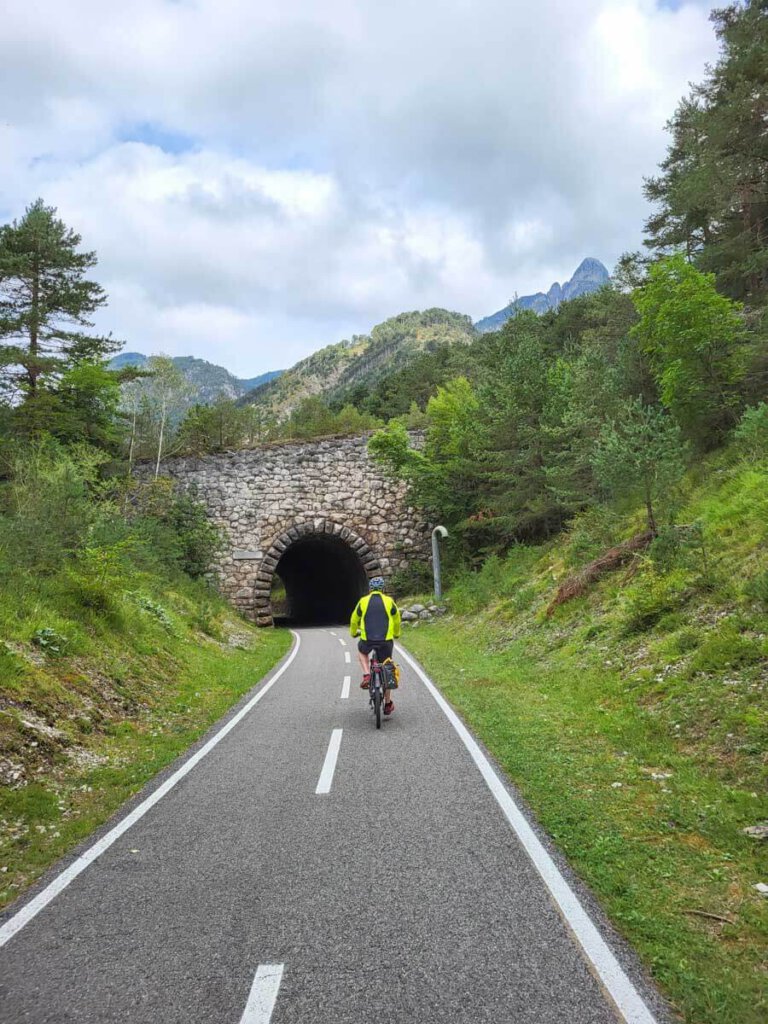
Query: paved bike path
(400, 895)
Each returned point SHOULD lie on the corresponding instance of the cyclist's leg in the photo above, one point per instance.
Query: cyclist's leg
(365, 663)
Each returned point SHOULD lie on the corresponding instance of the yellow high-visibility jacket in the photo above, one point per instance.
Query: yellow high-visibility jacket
(377, 621)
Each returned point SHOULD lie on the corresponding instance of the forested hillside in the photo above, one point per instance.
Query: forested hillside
(206, 381)
(615, 393)
(335, 370)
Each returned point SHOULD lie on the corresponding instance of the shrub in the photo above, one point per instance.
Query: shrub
(751, 435)
(726, 648)
(680, 545)
(155, 610)
(651, 599)
(198, 537)
(46, 504)
(474, 590)
(173, 528)
(49, 641)
(756, 588)
(205, 618)
(416, 579)
(12, 668)
(591, 532)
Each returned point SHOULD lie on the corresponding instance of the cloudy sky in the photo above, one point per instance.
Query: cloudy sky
(262, 177)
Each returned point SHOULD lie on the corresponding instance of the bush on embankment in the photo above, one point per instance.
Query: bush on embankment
(634, 721)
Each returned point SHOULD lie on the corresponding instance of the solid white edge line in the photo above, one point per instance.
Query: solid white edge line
(43, 898)
(628, 1000)
(345, 687)
(263, 994)
(347, 657)
(329, 764)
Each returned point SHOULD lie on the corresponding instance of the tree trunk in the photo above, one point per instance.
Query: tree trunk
(579, 584)
(160, 439)
(132, 442)
(649, 510)
(33, 370)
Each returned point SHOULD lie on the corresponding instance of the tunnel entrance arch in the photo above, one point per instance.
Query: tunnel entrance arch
(324, 568)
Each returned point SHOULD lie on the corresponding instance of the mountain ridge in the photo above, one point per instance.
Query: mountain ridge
(338, 369)
(209, 380)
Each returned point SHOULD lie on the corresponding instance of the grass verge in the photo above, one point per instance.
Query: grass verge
(93, 705)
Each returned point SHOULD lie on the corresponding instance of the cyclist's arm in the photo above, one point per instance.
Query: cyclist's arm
(396, 622)
(354, 622)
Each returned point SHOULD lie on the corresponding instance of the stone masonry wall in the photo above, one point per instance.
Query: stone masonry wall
(265, 498)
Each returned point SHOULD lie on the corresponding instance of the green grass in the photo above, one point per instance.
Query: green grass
(634, 721)
(141, 677)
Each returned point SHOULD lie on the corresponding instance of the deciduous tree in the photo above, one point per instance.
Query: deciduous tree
(694, 340)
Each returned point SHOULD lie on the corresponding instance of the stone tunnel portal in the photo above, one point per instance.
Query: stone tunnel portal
(323, 578)
(352, 520)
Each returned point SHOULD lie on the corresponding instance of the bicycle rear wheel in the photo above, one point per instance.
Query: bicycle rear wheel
(377, 707)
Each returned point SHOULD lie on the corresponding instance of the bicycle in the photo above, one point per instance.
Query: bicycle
(385, 677)
(376, 687)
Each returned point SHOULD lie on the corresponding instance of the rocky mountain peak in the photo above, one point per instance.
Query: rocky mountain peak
(589, 276)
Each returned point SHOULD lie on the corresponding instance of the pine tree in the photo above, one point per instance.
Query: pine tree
(45, 302)
(713, 187)
(640, 449)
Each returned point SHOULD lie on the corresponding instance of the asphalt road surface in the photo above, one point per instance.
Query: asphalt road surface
(303, 867)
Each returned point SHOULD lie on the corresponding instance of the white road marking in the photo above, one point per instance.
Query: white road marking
(263, 995)
(329, 765)
(628, 1000)
(31, 909)
(345, 688)
(347, 657)
(331, 632)
(342, 642)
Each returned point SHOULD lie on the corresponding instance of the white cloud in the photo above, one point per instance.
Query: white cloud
(298, 171)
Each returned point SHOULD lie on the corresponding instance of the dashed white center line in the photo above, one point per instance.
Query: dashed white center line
(345, 688)
(347, 657)
(329, 765)
(331, 632)
(342, 642)
(263, 995)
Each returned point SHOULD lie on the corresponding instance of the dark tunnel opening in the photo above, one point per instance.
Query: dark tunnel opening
(322, 579)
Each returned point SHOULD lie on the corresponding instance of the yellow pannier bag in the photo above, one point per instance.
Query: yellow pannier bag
(391, 673)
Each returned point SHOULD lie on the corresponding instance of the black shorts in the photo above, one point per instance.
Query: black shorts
(383, 648)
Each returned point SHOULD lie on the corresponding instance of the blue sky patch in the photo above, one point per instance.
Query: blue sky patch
(156, 135)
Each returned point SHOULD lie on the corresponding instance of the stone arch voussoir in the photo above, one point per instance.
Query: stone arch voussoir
(262, 589)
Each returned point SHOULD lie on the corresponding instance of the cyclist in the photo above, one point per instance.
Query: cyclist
(377, 619)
